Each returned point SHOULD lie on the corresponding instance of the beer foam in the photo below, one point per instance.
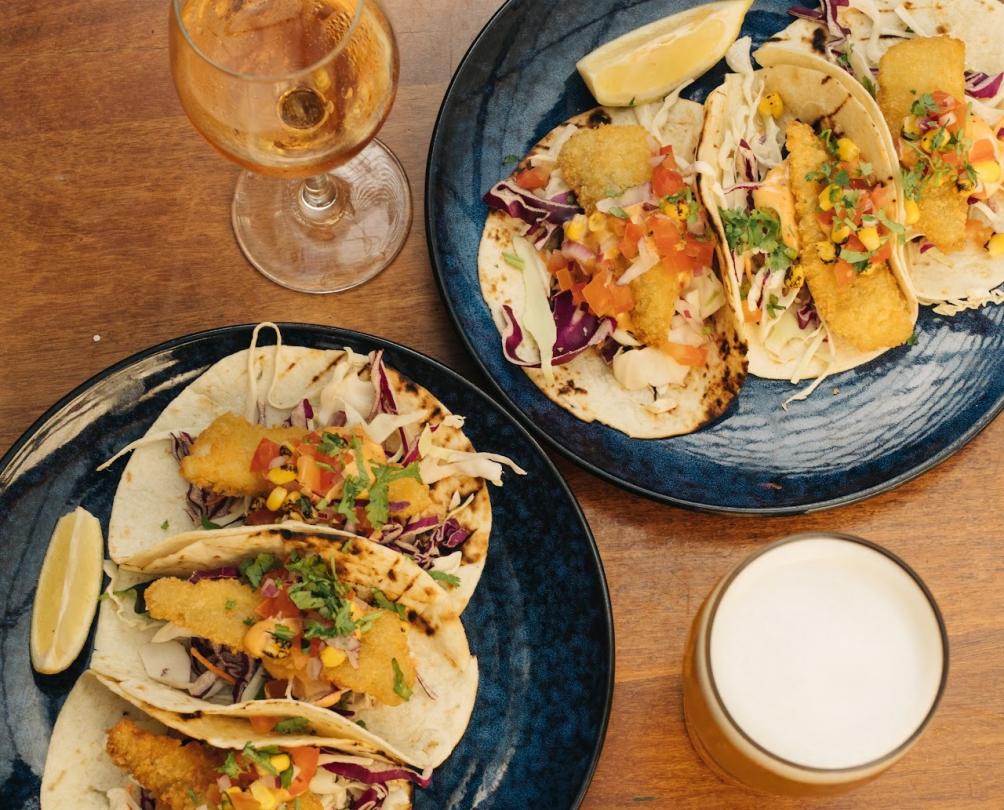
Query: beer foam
(826, 653)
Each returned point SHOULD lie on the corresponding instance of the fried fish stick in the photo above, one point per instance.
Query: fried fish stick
(869, 312)
(605, 162)
(178, 775)
(907, 71)
(221, 456)
(655, 296)
(211, 608)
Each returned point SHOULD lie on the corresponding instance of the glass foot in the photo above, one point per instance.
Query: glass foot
(294, 238)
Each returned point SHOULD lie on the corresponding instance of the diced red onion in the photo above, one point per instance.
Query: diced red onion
(577, 252)
(301, 414)
(269, 588)
(632, 196)
(807, 316)
(926, 246)
(983, 85)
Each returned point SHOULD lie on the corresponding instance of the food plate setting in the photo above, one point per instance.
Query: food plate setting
(537, 724)
(741, 257)
(862, 431)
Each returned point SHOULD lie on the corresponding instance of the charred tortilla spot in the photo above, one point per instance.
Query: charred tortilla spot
(409, 386)
(819, 41)
(190, 715)
(598, 118)
(392, 574)
(826, 79)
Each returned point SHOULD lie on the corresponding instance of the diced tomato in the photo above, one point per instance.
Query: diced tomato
(564, 277)
(263, 725)
(666, 233)
(305, 760)
(666, 181)
(982, 150)
(881, 198)
(883, 254)
(605, 296)
(263, 455)
(844, 272)
(308, 473)
(328, 479)
(854, 243)
(532, 179)
(278, 605)
(557, 261)
(686, 355)
(628, 246)
(667, 152)
(945, 101)
(951, 157)
(825, 218)
(701, 251)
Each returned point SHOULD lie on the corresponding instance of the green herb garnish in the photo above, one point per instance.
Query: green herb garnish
(400, 687)
(165, 525)
(378, 508)
(381, 601)
(331, 443)
(230, 766)
(444, 579)
(293, 725)
(254, 570)
(208, 524)
(230, 604)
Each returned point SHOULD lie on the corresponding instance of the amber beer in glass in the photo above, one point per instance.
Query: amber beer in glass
(813, 666)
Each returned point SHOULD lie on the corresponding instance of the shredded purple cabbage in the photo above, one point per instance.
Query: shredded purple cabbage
(371, 799)
(827, 14)
(358, 773)
(425, 539)
(577, 330)
(201, 504)
(543, 216)
(807, 316)
(236, 664)
(301, 415)
(147, 801)
(227, 572)
(983, 85)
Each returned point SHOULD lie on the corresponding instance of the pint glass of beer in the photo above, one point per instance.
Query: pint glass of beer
(813, 666)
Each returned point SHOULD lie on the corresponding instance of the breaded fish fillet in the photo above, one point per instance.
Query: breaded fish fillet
(655, 296)
(907, 71)
(605, 162)
(221, 455)
(870, 312)
(173, 772)
(211, 608)
(179, 775)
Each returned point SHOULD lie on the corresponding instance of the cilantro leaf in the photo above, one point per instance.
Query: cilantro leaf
(400, 687)
(293, 725)
(332, 443)
(381, 601)
(230, 766)
(164, 526)
(254, 570)
(378, 508)
(208, 524)
(452, 580)
(261, 757)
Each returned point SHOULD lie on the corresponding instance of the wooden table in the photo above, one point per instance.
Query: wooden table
(115, 224)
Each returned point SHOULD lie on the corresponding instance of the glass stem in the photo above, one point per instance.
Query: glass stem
(318, 194)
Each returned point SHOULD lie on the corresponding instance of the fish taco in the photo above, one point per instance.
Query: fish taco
(602, 273)
(328, 437)
(805, 197)
(339, 635)
(933, 72)
(109, 753)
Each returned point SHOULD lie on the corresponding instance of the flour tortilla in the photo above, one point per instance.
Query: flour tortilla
(586, 386)
(423, 731)
(965, 278)
(78, 771)
(152, 492)
(809, 95)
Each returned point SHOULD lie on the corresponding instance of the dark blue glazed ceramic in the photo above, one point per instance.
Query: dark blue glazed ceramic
(539, 622)
(864, 432)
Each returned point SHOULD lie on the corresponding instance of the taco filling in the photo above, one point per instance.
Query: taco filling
(279, 627)
(166, 773)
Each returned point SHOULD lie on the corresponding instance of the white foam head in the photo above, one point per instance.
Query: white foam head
(826, 653)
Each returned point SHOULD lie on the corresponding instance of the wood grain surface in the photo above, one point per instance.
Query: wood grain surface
(115, 224)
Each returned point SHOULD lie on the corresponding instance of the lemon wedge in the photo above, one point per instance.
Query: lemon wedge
(67, 594)
(648, 63)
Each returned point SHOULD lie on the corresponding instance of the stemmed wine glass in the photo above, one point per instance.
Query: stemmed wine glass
(295, 91)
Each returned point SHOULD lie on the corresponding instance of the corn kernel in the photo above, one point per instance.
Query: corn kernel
(829, 196)
(870, 238)
(771, 105)
(995, 247)
(912, 212)
(794, 278)
(911, 126)
(264, 796)
(280, 476)
(839, 233)
(280, 762)
(575, 230)
(276, 498)
(989, 171)
(597, 221)
(826, 251)
(847, 149)
(331, 657)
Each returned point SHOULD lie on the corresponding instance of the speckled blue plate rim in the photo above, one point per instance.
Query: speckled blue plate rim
(432, 241)
(532, 443)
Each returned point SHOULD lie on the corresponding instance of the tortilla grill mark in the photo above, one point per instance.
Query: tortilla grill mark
(196, 715)
(392, 574)
(819, 41)
(420, 622)
(327, 368)
(598, 118)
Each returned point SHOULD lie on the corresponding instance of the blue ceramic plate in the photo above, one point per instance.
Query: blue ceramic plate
(539, 621)
(863, 432)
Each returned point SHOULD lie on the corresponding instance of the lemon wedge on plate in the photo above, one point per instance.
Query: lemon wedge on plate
(67, 594)
(648, 63)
